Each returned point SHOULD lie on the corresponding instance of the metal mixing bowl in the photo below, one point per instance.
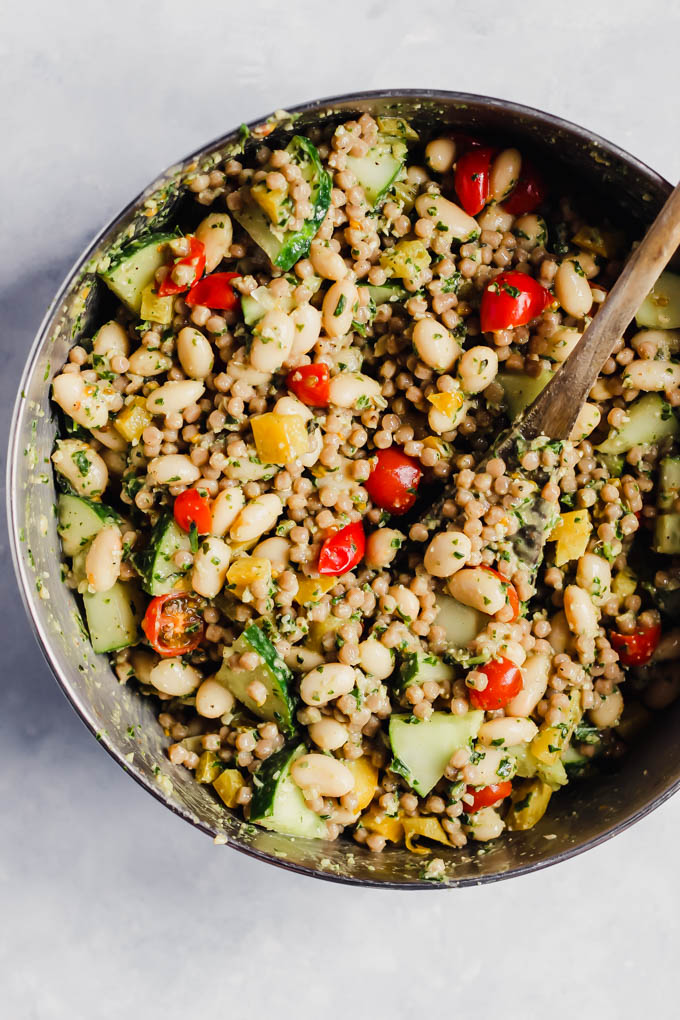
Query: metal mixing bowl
(583, 815)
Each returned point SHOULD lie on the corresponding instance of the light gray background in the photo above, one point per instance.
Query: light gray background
(110, 905)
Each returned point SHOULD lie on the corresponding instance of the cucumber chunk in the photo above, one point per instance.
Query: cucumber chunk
(278, 803)
(418, 668)
(521, 390)
(422, 749)
(113, 616)
(256, 305)
(669, 482)
(379, 168)
(667, 534)
(461, 623)
(661, 307)
(80, 520)
(272, 671)
(650, 418)
(387, 293)
(133, 268)
(156, 564)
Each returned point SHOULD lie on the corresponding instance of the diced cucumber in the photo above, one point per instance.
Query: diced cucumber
(80, 520)
(461, 623)
(156, 563)
(521, 390)
(614, 463)
(667, 534)
(113, 616)
(669, 482)
(387, 293)
(418, 668)
(379, 168)
(650, 418)
(255, 305)
(134, 267)
(422, 749)
(272, 672)
(661, 307)
(528, 766)
(278, 803)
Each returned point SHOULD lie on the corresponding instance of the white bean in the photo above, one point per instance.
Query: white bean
(440, 422)
(210, 567)
(511, 730)
(328, 734)
(447, 553)
(436, 346)
(572, 290)
(440, 154)
(215, 231)
(213, 700)
(514, 651)
(339, 308)
(408, 604)
(148, 362)
(174, 677)
(142, 663)
(580, 612)
(495, 217)
(195, 353)
(315, 441)
(307, 327)
(327, 682)
(272, 341)
(115, 462)
(81, 466)
(478, 588)
(609, 712)
(174, 396)
(505, 171)
(301, 659)
(87, 403)
(535, 673)
(485, 824)
(587, 421)
(382, 546)
(328, 776)
(291, 405)
(531, 231)
(349, 389)
(375, 659)
(111, 439)
(102, 563)
(664, 342)
(561, 343)
(276, 550)
(225, 508)
(111, 339)
(256, 518)
(326, 262)
(448, 215)
(652, 376)
(477, 368)
(560, 635)
(172, 469)
(594, 575)
(486, 771)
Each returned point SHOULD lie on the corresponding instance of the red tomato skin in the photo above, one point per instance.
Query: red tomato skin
(636, 649)
(310, 384)
(471, 179)
(342, 550)
(151, 626)
(392, 484)
(191, 507)
(505, 683)
(487, 796)
(502, 309)
(214, 292)
(510, 591)
(195, 258)
(529, 192)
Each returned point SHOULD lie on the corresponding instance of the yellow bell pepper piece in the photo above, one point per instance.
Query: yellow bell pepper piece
(271, 201)
(397, 127)
(365, 780)
(448, 403)
(600, 242)
(624, 583)
(572, 533)
(132, 420)
(280, 438)
(529, 803)
(384, 825)
(426, 828)
(440, 447)
(228, 784)
(155, 308)
(406, 260)
(550, 741)
(244, 571)
(208, 768)
(311, 589)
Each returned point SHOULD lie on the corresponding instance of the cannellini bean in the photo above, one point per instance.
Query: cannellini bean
(417, 175)
(326, 262)
(174, 677)
(408, 604)
(87, 403)
(142, 663)
(531, 231)
(111, 439)
(195, 353)
(485, 824)
(328, 734)
(276, 550)
(291, 405)
(435, 345)
(353, 389)
(495, 217)
(478, 588)
(256, 518)
(172, 469)
(486, 770)
(382, 546)
(111, 339)
(146, 362)
(609, 712)
(581, 614)
(514, 651)
(587, 421)
(339, 307)
(446, 214)
(213, 700)
(102, 563)
(325, 683)
(572, 290)
(535, 673)
(116, 463)
(307, 327)
(215, 231)
(174, 396)
(272, 341)
(447, 553)
(477, 368)
(375, 659)
(301, 659)
(328, 776)
(561, 343)
(652, 375)
(560, 635)
(210, 567)
(504, 175)
(315, 446)
(81, 466)
(440, 154)
(594, 575)
(511, 730)
(440, 422)
(654, 342)
(225, 508)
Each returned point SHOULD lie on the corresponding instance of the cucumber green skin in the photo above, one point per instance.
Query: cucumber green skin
(272, 672)
(669, 482)
(553, 773)
(417, 668)
(166, 539)
(461, 623)
(80, 520)
(367, 169)
(661, 308)
(113, 617)
(422, 749)
(667, 534)
(134, 267)
(521, 390)
(387, 293)
(650, 419)
(277, 803)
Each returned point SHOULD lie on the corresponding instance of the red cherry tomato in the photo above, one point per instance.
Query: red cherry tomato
(393, 482)
(310, 384)
(504, 684)
(192, 507)
(512, 299)
(195, 259)
(487, 796)
(342, 550)
(214, 291)
(173, 623)
(471, 179)
(529, 192)
(636, 649)
(510, 591)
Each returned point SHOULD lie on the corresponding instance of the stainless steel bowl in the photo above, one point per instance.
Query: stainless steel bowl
(581, 816)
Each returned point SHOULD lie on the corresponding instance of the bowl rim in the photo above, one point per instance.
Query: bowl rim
(27, 589)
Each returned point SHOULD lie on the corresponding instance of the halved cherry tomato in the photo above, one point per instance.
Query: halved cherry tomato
(342, 550)
(487, 796)
(195, 259)
(504, 684)
(192, 507)
(214, 291)
(393, 482)
(310, 384)
(529, 192)
(636, 649)
(471, 179)
(512, 299)
(510, 591)
(173, 623)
